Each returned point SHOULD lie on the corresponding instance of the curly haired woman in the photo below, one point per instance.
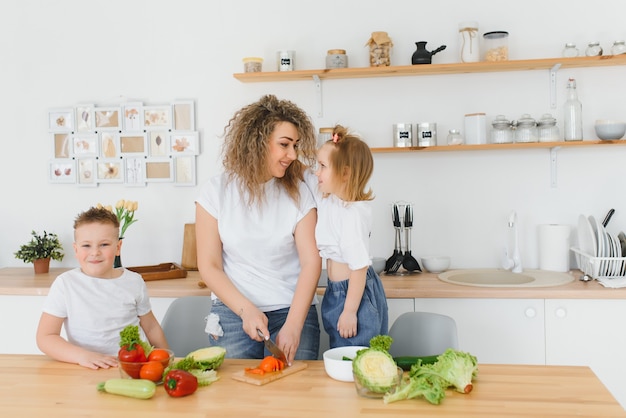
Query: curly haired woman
(255, 228)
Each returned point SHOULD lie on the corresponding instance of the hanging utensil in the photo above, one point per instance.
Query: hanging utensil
(391, 260)
(409, 262)
(397, 261)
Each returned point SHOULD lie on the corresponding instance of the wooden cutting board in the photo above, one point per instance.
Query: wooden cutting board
(189, 258)
(257, 379)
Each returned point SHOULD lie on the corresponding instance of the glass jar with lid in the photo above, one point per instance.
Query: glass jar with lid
(570, 50)
(593, 49)
(547, 131)
(526, 129)
(336, 58)
(501, 130)
(619, 47)
(455, 137)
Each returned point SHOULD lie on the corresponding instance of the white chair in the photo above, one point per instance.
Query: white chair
(184, 323)
(422, 334)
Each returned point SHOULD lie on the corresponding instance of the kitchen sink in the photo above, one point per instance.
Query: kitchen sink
(506, 278)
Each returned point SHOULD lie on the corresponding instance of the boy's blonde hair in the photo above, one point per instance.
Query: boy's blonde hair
(97, 215)
(351, 159)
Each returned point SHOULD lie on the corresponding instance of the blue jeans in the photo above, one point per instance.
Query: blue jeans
(239, 345)
(372, 315)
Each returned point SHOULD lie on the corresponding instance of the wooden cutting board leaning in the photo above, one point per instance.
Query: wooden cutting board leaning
(189, 258)
(262, 379)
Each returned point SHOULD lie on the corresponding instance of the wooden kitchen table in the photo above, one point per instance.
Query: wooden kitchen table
(34, 385)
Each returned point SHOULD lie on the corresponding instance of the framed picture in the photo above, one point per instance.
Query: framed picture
(61, 143)
(159, 170)
(109, 144)
(158, 143)
(85, 118)
(185, 170)
(86, 172)
(157, 117)
(184, 143)
(133, 120)
(108, 118)
(85, 145)
(61, 120)
(183, 115)
(133, 143)
(135, 171)
(62, 171)
(110, 171)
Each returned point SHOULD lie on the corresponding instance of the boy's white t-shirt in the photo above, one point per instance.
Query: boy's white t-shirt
(258, 247)
(96, 310)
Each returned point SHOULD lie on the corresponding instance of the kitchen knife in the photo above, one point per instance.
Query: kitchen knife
(273, 348)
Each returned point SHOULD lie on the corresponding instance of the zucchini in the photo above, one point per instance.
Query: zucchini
(405, 362)
(133, 388)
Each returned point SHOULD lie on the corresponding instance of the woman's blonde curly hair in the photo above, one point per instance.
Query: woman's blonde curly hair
(246, 146)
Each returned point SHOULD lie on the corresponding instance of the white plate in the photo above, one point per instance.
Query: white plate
(587, 240)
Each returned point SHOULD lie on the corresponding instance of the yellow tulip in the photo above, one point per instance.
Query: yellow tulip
(120, 204)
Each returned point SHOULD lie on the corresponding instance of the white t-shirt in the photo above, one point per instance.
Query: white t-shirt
(343, 228)
(258, 247)
(96, 310)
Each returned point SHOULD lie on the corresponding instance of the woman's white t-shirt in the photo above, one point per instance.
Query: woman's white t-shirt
(96, 310)
(258, 246)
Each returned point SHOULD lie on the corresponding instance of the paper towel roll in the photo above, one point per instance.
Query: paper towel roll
(554, 247)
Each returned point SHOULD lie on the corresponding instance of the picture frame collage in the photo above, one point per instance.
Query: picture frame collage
(132, 144)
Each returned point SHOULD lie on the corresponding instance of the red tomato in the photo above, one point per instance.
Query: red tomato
(152, 370)
(158, 354)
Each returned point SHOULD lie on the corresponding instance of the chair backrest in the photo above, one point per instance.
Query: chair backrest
(184, 323)
(422, 334)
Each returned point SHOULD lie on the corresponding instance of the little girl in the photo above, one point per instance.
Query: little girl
(354, 308)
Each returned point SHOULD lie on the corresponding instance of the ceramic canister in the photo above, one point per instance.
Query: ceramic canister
(402, 135)
(475, 128)
(286, 60)
(426, 134)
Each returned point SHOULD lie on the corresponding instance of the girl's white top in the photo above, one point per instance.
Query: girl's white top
(343, 228)
(258, 247)
(95, 309)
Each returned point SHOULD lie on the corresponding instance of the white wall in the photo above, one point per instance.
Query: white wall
(65, 52)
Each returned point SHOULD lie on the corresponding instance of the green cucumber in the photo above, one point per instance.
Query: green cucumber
(405, 362)
(133, 388)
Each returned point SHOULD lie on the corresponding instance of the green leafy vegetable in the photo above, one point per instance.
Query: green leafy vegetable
(452, 369)
(129, 336)
(201, 363)
(374, 366)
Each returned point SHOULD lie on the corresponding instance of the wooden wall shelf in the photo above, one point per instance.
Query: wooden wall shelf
(433, 69)
(527, 145)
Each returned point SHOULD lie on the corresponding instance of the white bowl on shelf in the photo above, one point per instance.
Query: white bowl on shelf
(608, 129)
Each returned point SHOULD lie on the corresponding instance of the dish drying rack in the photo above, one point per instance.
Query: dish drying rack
(600, 267)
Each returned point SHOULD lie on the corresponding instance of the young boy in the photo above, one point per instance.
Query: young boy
(95, 302)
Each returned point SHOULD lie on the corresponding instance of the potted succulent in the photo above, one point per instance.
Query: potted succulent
(39, 251)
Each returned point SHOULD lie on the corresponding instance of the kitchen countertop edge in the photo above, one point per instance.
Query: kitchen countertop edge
(23, 281)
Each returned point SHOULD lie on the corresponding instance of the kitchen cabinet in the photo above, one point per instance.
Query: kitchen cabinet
(501, 331)
(550, 64)
(589, 332)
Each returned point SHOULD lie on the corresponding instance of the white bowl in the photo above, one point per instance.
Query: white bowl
(378, 264)
(610, 129)
(436, 263)
(335, 365)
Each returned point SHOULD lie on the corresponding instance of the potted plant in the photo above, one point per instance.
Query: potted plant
(39, 251)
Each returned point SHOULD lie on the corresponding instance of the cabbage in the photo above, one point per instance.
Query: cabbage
(375, 369)
(209, 358)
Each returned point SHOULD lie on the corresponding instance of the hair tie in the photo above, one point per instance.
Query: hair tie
(335, 138)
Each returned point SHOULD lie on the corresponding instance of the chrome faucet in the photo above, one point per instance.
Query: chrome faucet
(512, 260)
